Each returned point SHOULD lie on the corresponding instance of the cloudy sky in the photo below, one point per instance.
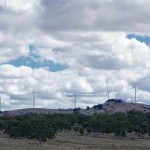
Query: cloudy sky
(55, 46)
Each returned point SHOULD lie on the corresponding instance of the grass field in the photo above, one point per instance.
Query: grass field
(70, 141)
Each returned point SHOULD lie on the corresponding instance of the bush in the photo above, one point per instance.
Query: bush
(81, 130)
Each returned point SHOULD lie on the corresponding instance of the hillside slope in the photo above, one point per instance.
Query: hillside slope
(110, 106)
(113, 105)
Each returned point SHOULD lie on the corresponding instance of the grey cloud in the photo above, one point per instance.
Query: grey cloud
(95, 15)
(106, 62)
(16, 22)
(144, 83)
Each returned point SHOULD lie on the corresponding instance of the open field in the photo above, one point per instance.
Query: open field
(70, 141)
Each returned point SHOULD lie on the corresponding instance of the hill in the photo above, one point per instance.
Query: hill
(110, 106)
(117, 105)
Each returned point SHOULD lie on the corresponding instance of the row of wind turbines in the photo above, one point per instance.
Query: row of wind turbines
(75, 95)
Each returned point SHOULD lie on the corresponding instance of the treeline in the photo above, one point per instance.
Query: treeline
(43, 127)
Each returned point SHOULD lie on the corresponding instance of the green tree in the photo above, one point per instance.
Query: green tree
(88, 130)
(81, 130)
(40, 129)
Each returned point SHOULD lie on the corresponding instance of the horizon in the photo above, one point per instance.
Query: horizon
(72, 108)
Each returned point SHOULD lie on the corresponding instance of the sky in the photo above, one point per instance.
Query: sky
(56, 47)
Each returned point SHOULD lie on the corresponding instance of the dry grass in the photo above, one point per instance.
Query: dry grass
(70, 141)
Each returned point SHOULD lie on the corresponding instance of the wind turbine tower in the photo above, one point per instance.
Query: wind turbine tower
(135, 91)
(108, 92)
(75, 99)
(33, 99)
(0, 103)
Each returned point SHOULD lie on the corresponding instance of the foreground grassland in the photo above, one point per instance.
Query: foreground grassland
(71, 141)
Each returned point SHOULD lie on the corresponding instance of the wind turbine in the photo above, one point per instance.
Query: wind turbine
(2, 92)
(135, 93)
(75, 99)
(33, 98)
(1, 103)
(74, 94)
(83, 94)
(108, 91)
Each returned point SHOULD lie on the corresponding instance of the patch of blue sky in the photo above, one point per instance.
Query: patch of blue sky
(33, 61)
(26, 61)
(144, 39)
